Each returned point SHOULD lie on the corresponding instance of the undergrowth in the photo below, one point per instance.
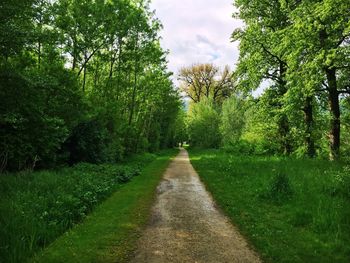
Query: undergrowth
(36, 208)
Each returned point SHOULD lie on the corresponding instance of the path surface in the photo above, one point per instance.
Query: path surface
(186, 226)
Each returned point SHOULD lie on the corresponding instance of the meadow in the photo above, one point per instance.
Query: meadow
(291, 210)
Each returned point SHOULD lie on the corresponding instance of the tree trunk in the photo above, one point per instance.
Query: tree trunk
(74, 55)
(283, 130)
(96, 75)
(309, 122)
(283, 123)
(119, 67)
(136, 66)
(84, 77)
(333, 100)
(39, 55)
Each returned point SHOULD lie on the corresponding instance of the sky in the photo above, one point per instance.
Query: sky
(197, 31)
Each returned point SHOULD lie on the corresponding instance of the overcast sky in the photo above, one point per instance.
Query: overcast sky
(197, 31)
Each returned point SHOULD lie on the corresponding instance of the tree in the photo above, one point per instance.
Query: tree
(203, 123)
(206, 80)
(181, 135)
(15, 26)
(126, 102)
(320, 54)
(260, 58)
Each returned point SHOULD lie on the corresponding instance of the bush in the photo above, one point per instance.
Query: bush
(91, 142)
(239, 147)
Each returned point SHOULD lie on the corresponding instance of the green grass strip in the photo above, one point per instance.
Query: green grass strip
(110, 233)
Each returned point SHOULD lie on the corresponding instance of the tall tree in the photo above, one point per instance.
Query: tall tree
(260, 58)
(320, 31)
(206, 81)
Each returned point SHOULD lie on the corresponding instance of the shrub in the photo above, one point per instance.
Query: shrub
(239, 147)
(90, 142)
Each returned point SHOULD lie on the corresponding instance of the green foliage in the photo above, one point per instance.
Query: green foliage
(206, 81)
(81, 81)
(315, 218)
(297, 51)
(89, 142)
(181, 133)
(203, 123)
(232, 120)
(14, 25)
(34, 116)
(38, 207)
(240, 147)
(260, 130)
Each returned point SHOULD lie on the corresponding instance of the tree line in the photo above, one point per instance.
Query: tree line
(82, 81)
(297, 52)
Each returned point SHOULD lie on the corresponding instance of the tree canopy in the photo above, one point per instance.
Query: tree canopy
(82, 81)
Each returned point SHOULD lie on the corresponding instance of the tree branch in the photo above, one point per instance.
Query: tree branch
(88, 58)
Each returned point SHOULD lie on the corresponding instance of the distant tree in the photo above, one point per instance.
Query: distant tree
(181, 135)
(206, 80)
(203, 124)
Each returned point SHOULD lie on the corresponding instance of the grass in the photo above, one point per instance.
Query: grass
(36, 208)
(110, 233)
(291, 210)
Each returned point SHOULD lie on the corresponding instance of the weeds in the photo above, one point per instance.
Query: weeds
(280, 189)
(342, 182)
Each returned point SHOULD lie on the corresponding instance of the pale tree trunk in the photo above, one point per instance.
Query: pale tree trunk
(84, 76)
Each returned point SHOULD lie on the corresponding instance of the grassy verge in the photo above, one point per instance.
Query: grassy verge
(290, 210)
(109, 234)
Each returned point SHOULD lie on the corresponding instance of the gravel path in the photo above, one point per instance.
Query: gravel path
(186, 226)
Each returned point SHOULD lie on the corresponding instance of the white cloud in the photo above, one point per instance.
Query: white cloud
(198, 31)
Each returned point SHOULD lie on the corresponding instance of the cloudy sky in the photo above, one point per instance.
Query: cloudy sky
(197, 31)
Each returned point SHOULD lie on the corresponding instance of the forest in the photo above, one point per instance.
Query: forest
(91, 116)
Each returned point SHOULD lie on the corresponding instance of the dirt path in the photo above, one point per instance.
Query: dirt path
(186, 226)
